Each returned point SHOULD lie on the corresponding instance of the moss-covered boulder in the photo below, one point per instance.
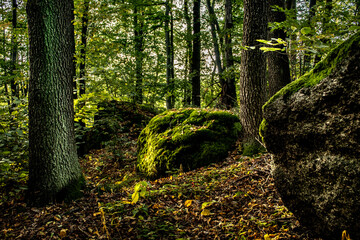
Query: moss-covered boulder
(312, 127)
(114, 117)
(189, 137)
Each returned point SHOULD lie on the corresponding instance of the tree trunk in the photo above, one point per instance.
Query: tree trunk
(84, 29)
(230, 88)
(14, 54)
(169, 42)
(139, 49)
(187, 91)
(216, 50)
(253, 68)
(278, 62)
(291, 5)
(54, 170)
(196, 57)
(307, 57)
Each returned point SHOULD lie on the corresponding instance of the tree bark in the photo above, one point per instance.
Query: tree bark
(54, 170)
(278, 62)
(187, 90)
(139, 49)
(230, 88)
(253, 68)
(14, 54)
(307, 57)
(196, 58)
(169, 42)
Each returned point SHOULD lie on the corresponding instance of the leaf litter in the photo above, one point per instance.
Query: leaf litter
(234, 199)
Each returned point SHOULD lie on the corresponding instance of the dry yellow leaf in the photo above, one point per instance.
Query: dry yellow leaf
(205, 212)
(188, 203)
(63, 233)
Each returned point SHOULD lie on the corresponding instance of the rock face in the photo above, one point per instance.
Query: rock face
(312, 127)
(190, 137)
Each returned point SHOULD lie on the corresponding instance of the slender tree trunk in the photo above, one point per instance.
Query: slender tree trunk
(54, 170)
(278, 62)
(291, 5)
(218, 62)
(196, 57)
(139, 49)
(169, 42)
(187, 91)
(307, 58)
(253, 68)
(215, 40)
(84, 29)
(14, 53)
(230, 88)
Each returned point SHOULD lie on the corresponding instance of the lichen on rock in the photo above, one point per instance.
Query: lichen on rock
(312, 128)
(188, 137)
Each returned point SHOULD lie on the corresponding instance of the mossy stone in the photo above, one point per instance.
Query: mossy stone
(189, 137)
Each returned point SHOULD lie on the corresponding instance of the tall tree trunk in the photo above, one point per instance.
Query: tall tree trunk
(230, 88)
(84, 29)
(14, 53)
(307, 57)
(278, 62)
(291, 5)
(196, 58)
(187, 91)
(54, 170)
(169, 42)
(139, 49)
(253, 68)
(216, 50)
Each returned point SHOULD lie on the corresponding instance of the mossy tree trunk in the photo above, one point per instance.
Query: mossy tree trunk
(253, 67)
(54, 170)
(278, 62)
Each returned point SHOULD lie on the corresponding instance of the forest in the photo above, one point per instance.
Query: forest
(90, 89)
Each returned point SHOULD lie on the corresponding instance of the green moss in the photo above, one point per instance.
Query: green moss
(190, 137)
(322, 70)
(263, 129)
(252, 148)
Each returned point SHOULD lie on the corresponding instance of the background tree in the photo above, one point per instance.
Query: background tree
(169, 39)
(54, 170)
(278, 61)
(253, 67)
(230, 98)
(196, 55)
(83, 43)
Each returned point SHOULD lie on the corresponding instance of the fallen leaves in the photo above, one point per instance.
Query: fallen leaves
(235, 199)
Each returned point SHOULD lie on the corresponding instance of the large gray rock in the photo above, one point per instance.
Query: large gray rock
(312, 127)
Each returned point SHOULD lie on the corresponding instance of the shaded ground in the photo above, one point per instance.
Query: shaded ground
(235, 199)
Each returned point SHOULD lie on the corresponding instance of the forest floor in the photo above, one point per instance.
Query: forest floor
(235, 199)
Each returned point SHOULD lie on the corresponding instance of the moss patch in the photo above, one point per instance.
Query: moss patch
(322, 70)
(189, 137)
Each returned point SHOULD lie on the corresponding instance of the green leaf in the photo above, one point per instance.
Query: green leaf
(305, 30)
